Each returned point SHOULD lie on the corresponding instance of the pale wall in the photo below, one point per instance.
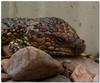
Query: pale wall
(83, 16)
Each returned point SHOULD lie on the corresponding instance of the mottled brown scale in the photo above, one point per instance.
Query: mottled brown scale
(51, 34)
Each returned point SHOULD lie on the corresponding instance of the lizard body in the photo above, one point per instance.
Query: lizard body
(51, 34)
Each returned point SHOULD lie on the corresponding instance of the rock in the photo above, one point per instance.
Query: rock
(2, 69)
(31, 63)
(85, 55)
(58, 78)
(4, 77)
(91, 66)
(68, 68)
(97, 60)
(6, 52)
(96, 78)
(94, 58)
(5, 64)
(80, 74)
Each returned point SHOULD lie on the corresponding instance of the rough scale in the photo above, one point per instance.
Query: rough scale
(51, 34)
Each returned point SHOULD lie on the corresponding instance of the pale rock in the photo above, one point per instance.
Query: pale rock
(96, 78)
(31, 63)
(6, 52)
(5, 64)
(4, 77)
(58, 78)
(80, 74)
(91, 66)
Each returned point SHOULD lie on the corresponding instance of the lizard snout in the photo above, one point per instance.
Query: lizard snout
(79, 46)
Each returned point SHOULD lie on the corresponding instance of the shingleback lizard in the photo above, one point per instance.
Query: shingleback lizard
(51, 34)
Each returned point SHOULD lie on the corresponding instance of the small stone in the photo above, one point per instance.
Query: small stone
(31, 63)
(6, 52)
(2, 69)
(91, 66)
(5, 64)
(68, 67)
(67, 61)
(80, 74)
(96, 78)
(58, 78)
(97, 60)
(4, 77)
(84, 54)
(91, 57)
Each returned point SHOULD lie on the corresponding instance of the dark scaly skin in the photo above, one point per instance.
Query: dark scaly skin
(51, 34)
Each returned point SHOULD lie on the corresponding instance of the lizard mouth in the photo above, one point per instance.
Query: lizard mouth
(60, 52)
(16, 45)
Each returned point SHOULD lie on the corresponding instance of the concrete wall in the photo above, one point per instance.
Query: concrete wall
(83, 16)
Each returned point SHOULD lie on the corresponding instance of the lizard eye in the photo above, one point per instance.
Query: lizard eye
(59, 40)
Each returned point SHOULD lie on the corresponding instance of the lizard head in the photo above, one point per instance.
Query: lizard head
(55, 36)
